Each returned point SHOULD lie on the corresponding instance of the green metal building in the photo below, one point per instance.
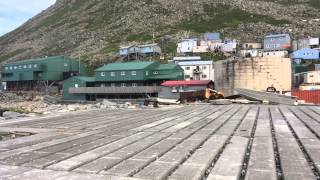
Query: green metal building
(77, 82)
(123, 80)
(29, 74)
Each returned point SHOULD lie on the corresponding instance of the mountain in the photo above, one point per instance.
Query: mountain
(94, 29)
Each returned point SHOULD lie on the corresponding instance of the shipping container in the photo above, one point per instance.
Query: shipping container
(308, 96)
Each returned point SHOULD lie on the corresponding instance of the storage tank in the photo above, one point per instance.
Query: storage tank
(253, 73)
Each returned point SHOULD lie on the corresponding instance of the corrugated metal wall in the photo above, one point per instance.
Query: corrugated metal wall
(308, 96)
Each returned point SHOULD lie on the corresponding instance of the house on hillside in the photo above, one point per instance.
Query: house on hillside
(309, 42)
(277, 42)
(129, 50)
(185, 46)
(150, 49)
(229, 46)
(306, 54)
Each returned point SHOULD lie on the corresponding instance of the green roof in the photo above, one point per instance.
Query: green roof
(85, 79)
(37, 60)
(137, 65)
(166, 66)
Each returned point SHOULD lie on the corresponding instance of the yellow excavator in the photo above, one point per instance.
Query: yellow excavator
(211, 94)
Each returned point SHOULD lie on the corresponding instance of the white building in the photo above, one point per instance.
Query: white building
(251, 53)
(195, 69)
(186, 46)
(229, 46)
(276, 54)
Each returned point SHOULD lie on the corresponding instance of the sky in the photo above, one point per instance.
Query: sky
(13, 13)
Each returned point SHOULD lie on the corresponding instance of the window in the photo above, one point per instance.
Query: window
(155, 72)
(7, 68)
(30, 66)
(35, 66)
(24, 66)
(123, 73)
(15, 67)
(187, 76)
(204, 67)
(123, 84)
(112, 74)
(76, 85)
(187, 68)
(113, 85)
(147, 73)
(204, 76)
(133, 73)
(134, 84)
(102, 74)
(65, 64)
(20, 67)
(102, 85)
(11, 68)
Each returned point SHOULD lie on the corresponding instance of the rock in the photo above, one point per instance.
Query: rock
(221, 102)
(12, 115)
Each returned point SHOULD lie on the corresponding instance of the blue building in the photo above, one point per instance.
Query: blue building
(150, 49)
(306, 54)
(277, 42)
(211, 36)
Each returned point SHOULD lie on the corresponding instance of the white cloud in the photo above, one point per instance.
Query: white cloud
(14, 13)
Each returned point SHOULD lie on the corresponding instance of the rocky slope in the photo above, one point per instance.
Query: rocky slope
(94, 29)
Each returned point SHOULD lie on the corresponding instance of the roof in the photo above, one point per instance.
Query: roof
(136, 65)
(276, 35)
(192, 39)
(84, 78)
(187, 83)
(212, 36)
(190, 63)
(188, 58)
(166, 66)
(37, 60)
(148, 45)
(307, 50)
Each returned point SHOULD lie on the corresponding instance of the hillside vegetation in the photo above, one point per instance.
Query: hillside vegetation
(95, 29)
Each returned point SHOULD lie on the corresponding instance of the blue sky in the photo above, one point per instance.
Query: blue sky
(14, 13)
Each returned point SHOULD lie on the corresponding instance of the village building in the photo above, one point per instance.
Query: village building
(248, 46)
(277, 42)
(251, 53)
(122, 81)
(186, 46)
(140, 50)
(309, 42)
(306, 54)
(195, 68)
(275, 54)
(229, 46)
(37, 74)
